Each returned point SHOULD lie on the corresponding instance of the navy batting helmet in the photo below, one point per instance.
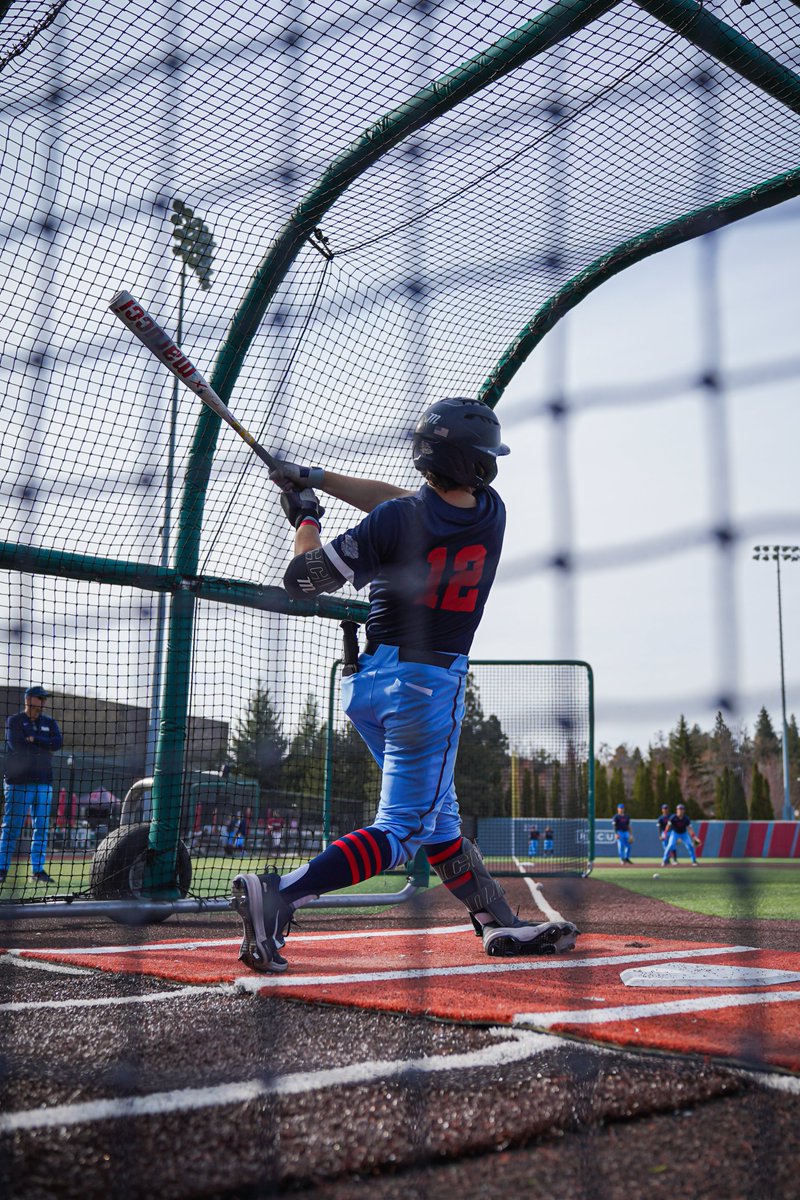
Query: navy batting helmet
(36, 693)
(458, 439)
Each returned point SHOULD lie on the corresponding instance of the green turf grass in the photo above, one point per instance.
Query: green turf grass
(742, 889)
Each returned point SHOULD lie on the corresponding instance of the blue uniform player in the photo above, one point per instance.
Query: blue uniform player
(622, 832)
(680, 830)
(663, 822)
(429, 558)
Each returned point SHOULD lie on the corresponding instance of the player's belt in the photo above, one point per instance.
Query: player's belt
(430, 658)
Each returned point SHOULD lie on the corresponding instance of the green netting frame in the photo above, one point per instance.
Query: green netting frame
(183, 583)
(531, 39)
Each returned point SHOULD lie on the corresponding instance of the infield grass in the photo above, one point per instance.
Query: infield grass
(741, 891)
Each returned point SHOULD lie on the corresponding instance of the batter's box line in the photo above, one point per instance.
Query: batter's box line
(640, 1012)
(254, 983)
(212, 943)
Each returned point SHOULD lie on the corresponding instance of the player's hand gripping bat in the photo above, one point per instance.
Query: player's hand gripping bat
(160, 344)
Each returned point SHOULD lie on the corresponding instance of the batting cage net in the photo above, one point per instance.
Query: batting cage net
(340, 213)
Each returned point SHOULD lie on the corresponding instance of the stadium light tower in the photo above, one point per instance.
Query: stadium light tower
(778, 554)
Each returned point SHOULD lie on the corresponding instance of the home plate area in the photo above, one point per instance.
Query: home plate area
(735, 1002)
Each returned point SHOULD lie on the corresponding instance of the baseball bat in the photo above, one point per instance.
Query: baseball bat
(159, 343)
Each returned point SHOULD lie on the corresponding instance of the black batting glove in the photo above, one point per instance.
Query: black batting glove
(301, 506)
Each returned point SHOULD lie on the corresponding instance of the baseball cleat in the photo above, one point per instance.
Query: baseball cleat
(551, 937)
(256, 899)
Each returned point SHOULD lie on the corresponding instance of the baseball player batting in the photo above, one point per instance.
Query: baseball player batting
(430, 558)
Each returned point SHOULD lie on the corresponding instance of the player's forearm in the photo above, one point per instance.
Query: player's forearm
(364, 494)
(306, 537)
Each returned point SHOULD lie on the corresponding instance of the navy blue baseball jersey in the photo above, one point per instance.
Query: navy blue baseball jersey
(29, 743)
(430, 565)
(621, 822)
(679, 824)
(663, 822)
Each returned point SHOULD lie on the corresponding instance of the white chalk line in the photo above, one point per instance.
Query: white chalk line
(518, 1046)
(254, 983)
(106, 1001)
(535, 889)
(641, 1012)
(15, 960)
(514, 1049)
(166, 947)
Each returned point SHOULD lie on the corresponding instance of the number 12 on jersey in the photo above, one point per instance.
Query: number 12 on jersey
(452, 584)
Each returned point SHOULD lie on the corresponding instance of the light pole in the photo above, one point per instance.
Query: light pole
(778, 554)
(193, 244)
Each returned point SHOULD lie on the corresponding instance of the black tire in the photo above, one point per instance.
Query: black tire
(117, 869)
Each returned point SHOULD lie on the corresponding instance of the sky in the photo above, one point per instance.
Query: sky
(659, 631)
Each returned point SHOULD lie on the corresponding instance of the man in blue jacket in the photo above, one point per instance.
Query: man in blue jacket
(31, 739)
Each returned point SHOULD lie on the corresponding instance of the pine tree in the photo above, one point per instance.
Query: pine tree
(483, 760)
(555, 789)
(257, 744)
(722, 796)
(760, 803)
(602, 800)
(660, 786)
(616, 789)
(539, 796)
(766, 741)
(643, 798)
(527, 792)
(682, 749)
(674, 794)
(738, 800)
(304, 766)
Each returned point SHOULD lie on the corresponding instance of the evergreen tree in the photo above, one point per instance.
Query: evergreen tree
(682, 747)
(722, 796)
(257, 744)
(304, 766)
(483, 761)
(766, 741)
(555, 789)
(793, 740)
(674, 793)
(738, 800)
(760, 803)
(539, 796)
(616, 789)
(660, 786)
(602, 799)
(643, 798)
(527, 792)
(793, 744)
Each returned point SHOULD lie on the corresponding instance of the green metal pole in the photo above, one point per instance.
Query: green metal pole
(661, 237)
(328, 786)
(590, 673)
(695, 23)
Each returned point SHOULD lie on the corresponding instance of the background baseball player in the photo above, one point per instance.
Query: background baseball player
(622, 832)
(680, 830)
(662, 822)
(430, 557)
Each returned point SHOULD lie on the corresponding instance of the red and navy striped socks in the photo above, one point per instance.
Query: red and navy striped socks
(452, 867)
(350, 859)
